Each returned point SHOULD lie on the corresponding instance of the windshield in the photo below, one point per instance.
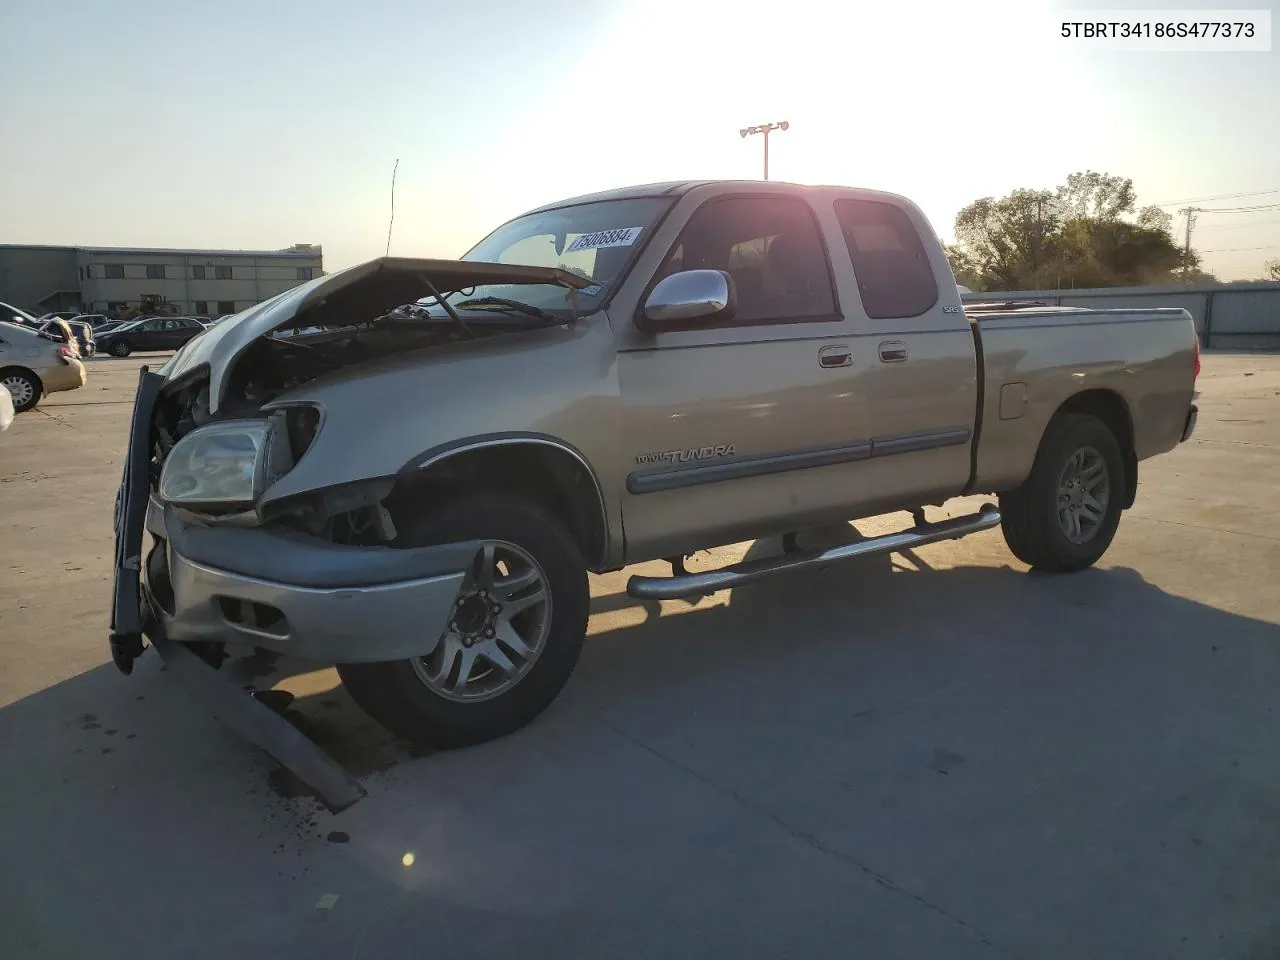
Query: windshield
(593, 240)
(17, 313)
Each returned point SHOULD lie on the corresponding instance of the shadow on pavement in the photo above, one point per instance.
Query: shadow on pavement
(1038, 754)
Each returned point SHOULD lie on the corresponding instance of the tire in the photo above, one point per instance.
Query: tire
(400, 694)
(24, 386)
(120, 348)
(1074, 446)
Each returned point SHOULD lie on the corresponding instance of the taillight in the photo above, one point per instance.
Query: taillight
(1197, 373)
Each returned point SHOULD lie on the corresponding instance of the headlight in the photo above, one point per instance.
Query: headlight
(216, 466)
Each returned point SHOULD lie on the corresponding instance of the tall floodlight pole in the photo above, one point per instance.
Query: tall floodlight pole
(764, 128)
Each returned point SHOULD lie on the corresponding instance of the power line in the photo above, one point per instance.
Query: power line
(1221, 196)
(1240, 226)
(1240, 249)
(1256, 208)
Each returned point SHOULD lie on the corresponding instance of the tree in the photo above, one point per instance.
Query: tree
(1084, 233)
(1273, 269)
(1095, 196)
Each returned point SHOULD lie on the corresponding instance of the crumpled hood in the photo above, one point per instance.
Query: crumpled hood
(355, 295)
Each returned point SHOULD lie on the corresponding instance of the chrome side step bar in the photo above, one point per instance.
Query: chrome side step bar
(749, 571)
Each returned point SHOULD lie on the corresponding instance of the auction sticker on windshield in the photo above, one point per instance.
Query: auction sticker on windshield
(619, 237)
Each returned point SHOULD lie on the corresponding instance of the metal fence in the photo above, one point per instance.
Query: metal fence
(1236, 316)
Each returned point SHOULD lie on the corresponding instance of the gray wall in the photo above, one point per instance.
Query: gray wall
(254, 277)
(38, 279)
(1238, 316)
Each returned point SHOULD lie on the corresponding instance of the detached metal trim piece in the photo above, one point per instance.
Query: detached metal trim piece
(759, 465)
(738, 574)
(260, 725)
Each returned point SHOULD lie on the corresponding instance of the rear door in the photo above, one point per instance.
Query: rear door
(184, 329)
(148, 335)
(916, 349)
(751, 425)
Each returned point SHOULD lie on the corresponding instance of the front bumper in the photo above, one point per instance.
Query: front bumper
(1190, 426)
(298, 595)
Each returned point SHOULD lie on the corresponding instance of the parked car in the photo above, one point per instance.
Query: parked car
(59, 314)
(83, 334)
(156, 333)
(32, 365)
(420, 500)
(95, 320)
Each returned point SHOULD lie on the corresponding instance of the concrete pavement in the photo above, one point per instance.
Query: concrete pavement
(931, 755)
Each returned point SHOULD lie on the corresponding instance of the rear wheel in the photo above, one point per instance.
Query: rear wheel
(512, 639)
(120, 348)
(24, 387)
(1065, 514)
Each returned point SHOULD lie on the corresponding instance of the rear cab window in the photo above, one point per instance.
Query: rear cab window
(890, 263)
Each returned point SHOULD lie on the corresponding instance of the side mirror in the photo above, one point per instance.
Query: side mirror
(689, 298)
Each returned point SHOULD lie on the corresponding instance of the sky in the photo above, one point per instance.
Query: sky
(256, 125)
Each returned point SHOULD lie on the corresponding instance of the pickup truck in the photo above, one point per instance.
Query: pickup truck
(416, 480)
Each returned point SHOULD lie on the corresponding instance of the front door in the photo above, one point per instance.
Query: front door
(748, 425)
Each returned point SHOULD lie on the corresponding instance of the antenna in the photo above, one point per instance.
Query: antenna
(393, 206)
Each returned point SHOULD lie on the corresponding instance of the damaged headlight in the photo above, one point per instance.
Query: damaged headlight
(217, 466)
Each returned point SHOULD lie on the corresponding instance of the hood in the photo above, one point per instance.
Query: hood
(354, 295)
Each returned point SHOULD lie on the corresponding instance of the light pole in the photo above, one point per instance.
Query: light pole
(764, 128)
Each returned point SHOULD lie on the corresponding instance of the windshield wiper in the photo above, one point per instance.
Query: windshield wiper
(515, 306)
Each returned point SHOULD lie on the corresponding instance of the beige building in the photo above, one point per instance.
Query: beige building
(126, 280)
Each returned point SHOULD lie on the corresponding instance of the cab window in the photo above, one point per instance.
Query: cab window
(771, 248)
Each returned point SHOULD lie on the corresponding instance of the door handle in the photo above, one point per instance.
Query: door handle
(837, 355)
(893, 351)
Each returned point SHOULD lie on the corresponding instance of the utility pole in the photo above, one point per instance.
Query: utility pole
(1190, 214)
(765, 129)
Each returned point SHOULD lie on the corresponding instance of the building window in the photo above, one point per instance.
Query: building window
(202, 307)
(155, 271)
(113, 271)
(226, 306)
(306, 273)
(222, 273)
(197, 273)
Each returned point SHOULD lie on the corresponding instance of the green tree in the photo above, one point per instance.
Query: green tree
(1085, 233)
(1273, 269)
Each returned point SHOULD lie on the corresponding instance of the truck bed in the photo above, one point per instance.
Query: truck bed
(1032, 358)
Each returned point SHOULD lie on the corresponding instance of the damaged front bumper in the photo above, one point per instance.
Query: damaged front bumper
(298, 595)
(275, 589)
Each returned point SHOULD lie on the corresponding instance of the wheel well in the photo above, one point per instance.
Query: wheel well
(549, 475)
(1109, 407)
(28, 371)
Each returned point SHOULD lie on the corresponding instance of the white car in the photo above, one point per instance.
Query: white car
(6, 410)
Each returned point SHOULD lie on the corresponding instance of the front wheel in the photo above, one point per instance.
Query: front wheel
(512, 639)
(1065, 514)
(121, 348)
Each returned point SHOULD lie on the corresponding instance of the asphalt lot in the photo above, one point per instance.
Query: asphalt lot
(934, 755)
